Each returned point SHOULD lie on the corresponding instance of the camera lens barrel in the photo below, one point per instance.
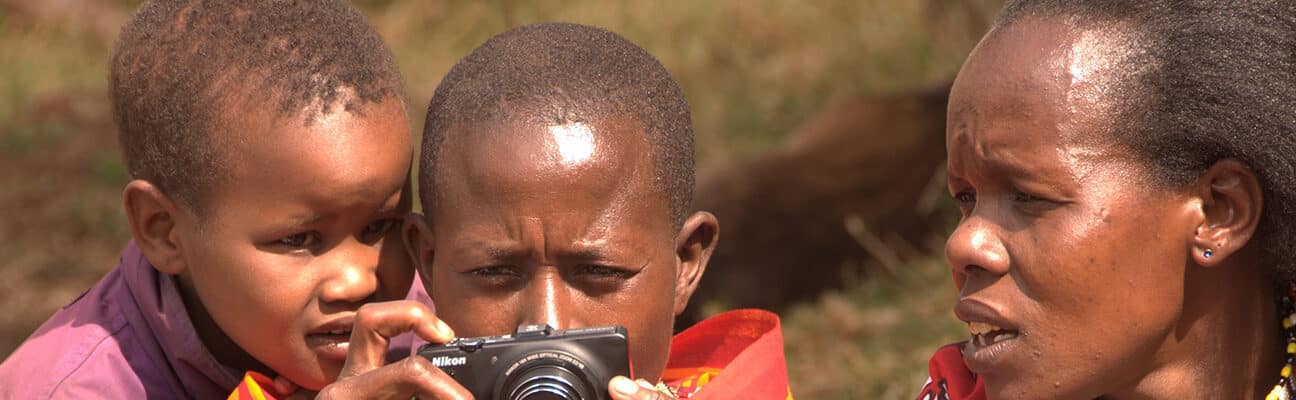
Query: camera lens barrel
(547, 382)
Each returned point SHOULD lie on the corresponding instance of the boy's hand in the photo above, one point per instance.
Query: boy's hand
(623, 388)
(365, 377)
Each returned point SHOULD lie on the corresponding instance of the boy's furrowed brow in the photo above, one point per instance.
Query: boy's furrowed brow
(587, 253)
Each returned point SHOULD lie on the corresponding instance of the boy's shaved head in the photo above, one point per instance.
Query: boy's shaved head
(556, 74)
(179, 65)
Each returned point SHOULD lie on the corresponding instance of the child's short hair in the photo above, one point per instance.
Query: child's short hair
(175, 60)
(558, 73)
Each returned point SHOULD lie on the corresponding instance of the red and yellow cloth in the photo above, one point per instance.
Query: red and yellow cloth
(255, 386)
(734, 355)
(949, 378)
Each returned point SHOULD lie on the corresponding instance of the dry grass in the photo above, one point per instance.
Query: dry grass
(752, 70)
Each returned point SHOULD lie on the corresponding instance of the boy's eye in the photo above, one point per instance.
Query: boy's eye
(497, 276)
(304, 239)
(496, 270)
(600, 271)
(375, 230)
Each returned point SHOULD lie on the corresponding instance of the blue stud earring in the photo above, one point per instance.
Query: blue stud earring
(1207, 253)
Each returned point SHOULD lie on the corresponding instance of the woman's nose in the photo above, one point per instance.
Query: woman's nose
(976, 247)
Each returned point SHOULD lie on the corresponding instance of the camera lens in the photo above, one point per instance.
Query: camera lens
(547, 382)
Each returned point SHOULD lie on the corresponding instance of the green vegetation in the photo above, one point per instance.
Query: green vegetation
(752, 70)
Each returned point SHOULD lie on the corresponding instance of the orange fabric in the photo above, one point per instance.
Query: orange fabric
(255, 386)
(734, 355)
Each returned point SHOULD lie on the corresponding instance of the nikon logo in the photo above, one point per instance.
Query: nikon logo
(447, 361)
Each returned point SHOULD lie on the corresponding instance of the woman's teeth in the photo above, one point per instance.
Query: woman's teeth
(984, 334)
(338, 332)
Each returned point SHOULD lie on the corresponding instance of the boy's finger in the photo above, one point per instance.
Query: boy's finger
(623, 388)
(411, 377)
(377, 323)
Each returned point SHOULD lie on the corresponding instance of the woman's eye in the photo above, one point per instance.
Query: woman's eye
(1023, 197)
(965, 197)
(299, 240)
(375, 230)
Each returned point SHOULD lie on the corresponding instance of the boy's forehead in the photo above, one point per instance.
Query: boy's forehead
(605, 159)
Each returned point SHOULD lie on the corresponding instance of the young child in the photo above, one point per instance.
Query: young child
(557, 176)
(269, 150)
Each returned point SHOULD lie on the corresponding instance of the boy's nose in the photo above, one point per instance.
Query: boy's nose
(548, 301)
(350, 273)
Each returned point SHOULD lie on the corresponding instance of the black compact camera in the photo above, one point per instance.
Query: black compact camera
(536, 363)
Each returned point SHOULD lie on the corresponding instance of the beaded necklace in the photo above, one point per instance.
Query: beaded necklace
(1285, 390)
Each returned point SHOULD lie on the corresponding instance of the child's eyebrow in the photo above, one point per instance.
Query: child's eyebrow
(305, 219)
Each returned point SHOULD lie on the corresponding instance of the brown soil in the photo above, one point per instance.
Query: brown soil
(853, 191)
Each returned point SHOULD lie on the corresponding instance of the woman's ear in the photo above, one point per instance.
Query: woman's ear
(417, 235)
(1231, 201)
(694, 245)
(153, 219)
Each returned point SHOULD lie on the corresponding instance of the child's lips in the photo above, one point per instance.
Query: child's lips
(332, 339)
(330, 345)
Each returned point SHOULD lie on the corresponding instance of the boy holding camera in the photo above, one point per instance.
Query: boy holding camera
(556, 178)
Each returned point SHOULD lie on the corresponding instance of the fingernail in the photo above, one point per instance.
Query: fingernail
(624, 385)
(644, 384)
(445, 329)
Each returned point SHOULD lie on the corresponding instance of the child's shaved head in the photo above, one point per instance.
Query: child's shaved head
(179, 64)
(556, 74)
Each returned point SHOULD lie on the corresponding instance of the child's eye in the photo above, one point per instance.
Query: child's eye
(375, 230)
(304, 239)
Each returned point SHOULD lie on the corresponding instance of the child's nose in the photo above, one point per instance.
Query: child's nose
(350, 273)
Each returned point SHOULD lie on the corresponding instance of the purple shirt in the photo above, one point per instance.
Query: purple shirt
(128, 337)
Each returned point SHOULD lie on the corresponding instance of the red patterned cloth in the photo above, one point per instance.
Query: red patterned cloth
(949, 378)
(255, 386)
(734, 355)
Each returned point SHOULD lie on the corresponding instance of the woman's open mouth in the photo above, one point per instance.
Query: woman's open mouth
(987, 345)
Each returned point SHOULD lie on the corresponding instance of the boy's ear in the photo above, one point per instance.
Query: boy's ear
(694, 245)
(417, 235)
(1231, 202)
(152, 217)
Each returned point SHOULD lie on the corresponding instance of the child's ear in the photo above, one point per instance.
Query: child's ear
(152, 217)
(417, 235)
(694, 245)
(1231, 202)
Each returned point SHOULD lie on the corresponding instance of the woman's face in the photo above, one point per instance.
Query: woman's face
(1069, 260)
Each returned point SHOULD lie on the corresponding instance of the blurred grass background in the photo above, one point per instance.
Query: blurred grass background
(751, 69)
